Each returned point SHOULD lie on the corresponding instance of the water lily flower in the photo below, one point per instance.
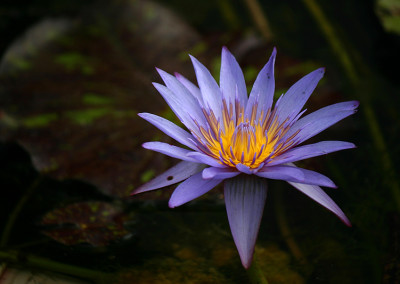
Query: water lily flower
(242, 141)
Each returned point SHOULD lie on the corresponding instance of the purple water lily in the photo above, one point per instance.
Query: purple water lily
(241, 141)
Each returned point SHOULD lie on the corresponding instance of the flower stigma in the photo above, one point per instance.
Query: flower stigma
(248, 139)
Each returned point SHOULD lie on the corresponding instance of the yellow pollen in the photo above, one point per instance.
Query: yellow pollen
(239, 140)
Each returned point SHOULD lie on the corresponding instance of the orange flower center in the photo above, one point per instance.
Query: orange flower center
(236, 139)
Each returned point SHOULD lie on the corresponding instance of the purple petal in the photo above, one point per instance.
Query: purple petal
(169, 128)
(244, 169)
(178, 173)
(297, 95)
(176, 105)
(295, 174)
(245, 198)
(311, 150)
(192, 188)
(209, 88)
(319, 120)
(318, 195)
(202, 158)
(169, 150)
(231, 77)
(263, 89)
(190, 103)
(193, 89)
(219, 173)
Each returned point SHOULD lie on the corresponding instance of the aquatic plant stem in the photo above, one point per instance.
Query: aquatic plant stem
(259, 18)
(54, 266)
(333, 39)
(256, 276)
(17, 209)
(349, 67)
(285, 229)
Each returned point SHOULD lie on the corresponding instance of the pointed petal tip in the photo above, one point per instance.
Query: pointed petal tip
(173, 202)
(247, 263)
(158, 86)
(162, 73)
(273, 53)
(318, 72)
(196, 63)
(192, 58)
(226, 52)
(347, 223)
(136, 191)
(350, 145)
(171, 205)
(142, 114)
(344, 219)
(329, 183)
(159, 71)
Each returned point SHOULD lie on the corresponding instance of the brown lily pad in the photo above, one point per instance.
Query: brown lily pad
(71, 89)
(96, 223)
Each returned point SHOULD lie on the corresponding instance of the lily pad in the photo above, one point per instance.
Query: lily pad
(71, 90)
(96, 223)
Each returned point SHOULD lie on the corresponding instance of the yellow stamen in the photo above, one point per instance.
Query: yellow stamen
(249, 141)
